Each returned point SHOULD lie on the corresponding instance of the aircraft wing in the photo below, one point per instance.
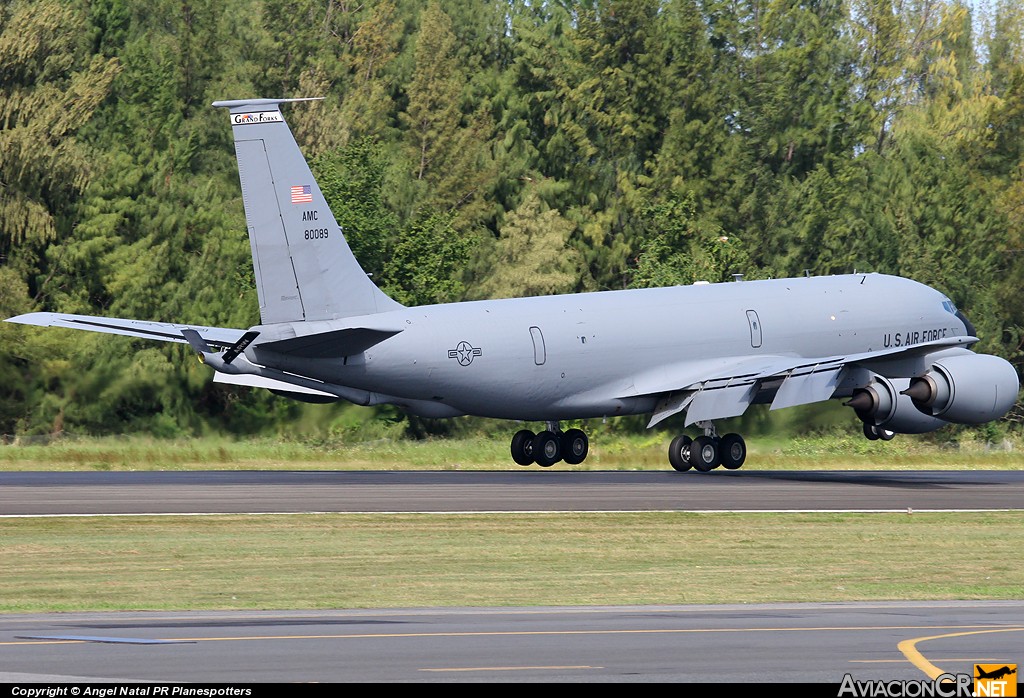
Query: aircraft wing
(723, 388)
(222, 337)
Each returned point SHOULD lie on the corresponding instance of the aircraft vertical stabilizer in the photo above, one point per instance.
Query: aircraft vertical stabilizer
(304, 268)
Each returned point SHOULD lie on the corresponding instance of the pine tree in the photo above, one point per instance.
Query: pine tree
(48, 89)
(452, 169)
(531, 257)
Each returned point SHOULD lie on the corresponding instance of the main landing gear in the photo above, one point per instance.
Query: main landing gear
(707, 452)
(550, 446)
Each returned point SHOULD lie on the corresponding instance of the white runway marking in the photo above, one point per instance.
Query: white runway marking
(517, 512)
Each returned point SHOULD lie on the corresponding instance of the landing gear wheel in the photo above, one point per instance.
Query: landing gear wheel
(575, 446)
(733, 451)
(546, 449)
(704, 453)
(873, 433)
(522, 447)
(679, 453)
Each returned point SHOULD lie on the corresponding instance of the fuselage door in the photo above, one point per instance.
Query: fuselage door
(755, 328)
(540, 354)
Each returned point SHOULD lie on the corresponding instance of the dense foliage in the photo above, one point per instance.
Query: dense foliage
(489, 148)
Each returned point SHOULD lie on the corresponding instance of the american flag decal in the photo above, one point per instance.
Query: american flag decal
(302, 194)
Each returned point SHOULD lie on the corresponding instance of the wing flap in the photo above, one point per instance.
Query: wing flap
(692, 375)
(671, 404)
(720, 403)
(805, 388)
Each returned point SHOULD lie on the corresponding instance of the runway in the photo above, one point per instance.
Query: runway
(776, 643)
(756, 643)
(81, 493)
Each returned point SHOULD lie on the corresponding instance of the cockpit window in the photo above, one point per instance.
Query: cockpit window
(948, 305)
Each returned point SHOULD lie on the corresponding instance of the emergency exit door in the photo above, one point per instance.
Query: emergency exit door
(755, 328)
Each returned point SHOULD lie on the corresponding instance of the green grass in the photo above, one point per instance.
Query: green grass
(354, 561)
(608, 452)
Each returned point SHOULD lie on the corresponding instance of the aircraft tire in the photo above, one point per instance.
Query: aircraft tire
(679, 453)
(522, 447)
(732, 451)
(575, 446)
(704, 454)
(869, 432)
(885, 434)
(546, 449)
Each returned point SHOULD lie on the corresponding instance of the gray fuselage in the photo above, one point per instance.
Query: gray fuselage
(611, 353)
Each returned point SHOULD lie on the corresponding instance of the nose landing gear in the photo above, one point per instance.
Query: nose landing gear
(873, 433)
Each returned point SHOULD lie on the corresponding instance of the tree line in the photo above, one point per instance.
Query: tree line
(488, 149)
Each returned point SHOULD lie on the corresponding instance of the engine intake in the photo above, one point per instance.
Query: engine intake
(966, 389)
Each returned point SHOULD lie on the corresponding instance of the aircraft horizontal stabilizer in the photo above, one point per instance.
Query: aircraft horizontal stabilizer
(331, 344)
(221, 337)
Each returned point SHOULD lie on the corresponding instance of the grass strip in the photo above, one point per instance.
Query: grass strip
(647, 452)
(375, 561)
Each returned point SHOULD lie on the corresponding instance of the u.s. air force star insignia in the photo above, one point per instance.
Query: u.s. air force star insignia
(464, 352)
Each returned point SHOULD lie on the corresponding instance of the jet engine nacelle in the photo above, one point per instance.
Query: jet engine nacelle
(881, 403)
(966, 389)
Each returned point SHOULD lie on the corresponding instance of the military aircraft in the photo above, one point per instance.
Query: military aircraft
(896, 348)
